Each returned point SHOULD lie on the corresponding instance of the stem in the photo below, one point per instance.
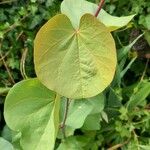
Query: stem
(119, 145)
(7, 69)
(99, 7)
(22, 64)
(65, 118)
(6, 2)
(145, 69)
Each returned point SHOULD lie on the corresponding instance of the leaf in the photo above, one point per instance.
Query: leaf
(16, 136)
(70, 143)
(141, 93)
(49, 3)
(92, 122)
(145, 21)
(4, 90)
(5, 145)
(6, 133)
(74, 10)
(33, 110)
(75, 63)
(144, 147)
(80, 109)
(147, 36)
(104, 116)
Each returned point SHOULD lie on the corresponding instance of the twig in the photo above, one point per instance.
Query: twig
(13, 26)
(136, 139)
(119, 145)
(22, 64)
(99, 7)
(144, 72)
(7, 69)
(6, 54)
(4, 91)
(7, 2)
(19, 35)
(65, 118)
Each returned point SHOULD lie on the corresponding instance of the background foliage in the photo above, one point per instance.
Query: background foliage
(125, 119)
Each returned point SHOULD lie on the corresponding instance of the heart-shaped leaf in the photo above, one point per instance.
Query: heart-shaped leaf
(33, 110)
(75, 9)
(75, 63)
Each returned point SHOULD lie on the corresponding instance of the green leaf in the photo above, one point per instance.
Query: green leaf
(49, 3)
(147, 36)
(75, 63)
(33, 110)
(80, 109)
(145, 21)
(92, 122)
(70, 143)
(144, 147)
(142, 91)
(6, 133)
(4, 90)
(74, 10)
(16, 136)
(5, 145)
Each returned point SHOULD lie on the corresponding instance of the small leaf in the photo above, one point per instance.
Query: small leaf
(6, 133)
(75, 63)
(147, 36)
(33, 110)
(141, 93)
(49, 3)
(80, 109)
(92, 122)
(104, 116)
(70, 143)
(74, 10)
(144, 147)
(4, 90)
(5, 145)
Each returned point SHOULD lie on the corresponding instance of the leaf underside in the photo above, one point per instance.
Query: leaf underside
(74, 10)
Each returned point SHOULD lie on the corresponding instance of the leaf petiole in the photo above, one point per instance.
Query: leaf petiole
(99, 7)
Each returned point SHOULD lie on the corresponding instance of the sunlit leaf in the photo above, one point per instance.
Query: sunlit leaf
(75, 63)
(75, 9)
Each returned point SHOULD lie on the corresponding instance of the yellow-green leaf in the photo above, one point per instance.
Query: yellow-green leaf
(76, 63)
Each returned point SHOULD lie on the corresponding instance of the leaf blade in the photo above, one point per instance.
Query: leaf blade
(73, 60)
(29, 108)
(74, 10)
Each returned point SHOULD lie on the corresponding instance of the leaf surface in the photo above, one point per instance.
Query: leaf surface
(75, 9)
(80, 110)
(70, 143)
(75, 63)
(142, 91)
(33, 110)
(5, 145)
